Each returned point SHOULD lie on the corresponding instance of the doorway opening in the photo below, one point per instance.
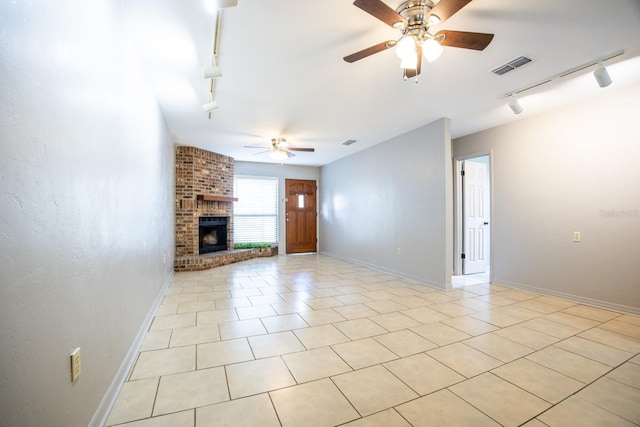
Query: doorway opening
(472, 210)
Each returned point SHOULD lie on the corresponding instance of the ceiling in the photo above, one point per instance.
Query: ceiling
(284, 76)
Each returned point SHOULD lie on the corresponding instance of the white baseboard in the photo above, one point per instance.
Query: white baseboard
(109, 399)
(570, 297)
(416, 280)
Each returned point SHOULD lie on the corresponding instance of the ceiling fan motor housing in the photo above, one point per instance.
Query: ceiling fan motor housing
(415, 11)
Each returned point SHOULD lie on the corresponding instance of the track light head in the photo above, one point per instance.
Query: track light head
(515, 105)
(210, 106)
(602, 76)
(215, 5)
(212, 72)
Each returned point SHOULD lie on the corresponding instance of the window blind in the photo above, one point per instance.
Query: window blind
(255, 214)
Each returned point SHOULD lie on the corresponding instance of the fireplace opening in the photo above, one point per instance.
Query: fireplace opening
(212, 234)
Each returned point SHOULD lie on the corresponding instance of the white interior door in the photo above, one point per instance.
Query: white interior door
(475, 218)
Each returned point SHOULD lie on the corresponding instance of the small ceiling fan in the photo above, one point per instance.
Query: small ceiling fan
(280, 149)
(414, 18)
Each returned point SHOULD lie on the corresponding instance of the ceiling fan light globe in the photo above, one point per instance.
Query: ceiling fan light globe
(409, 62)
(431, 50)
(278, 155)
(406, 47)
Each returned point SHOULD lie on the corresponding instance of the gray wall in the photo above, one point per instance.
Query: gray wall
(86, 207)
(397, 194)
(572, 169)
(282, 172)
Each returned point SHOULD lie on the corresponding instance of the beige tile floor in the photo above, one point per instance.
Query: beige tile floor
(314, 341)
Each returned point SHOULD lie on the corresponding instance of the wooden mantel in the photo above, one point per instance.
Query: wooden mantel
(212, 198)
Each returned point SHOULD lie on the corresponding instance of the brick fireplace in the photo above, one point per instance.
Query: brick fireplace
(204, 190)
(204, 196)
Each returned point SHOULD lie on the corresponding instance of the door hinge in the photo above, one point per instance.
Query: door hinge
(463, 256)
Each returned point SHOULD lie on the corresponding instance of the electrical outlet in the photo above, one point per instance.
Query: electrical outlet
(577, 237)
(76, 367)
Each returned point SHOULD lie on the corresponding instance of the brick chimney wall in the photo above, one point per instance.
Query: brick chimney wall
(201, 172)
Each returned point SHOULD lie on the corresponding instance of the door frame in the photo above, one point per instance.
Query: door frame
(458, 213)
(286, 221)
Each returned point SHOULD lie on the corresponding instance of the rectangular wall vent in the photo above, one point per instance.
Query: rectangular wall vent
(511, 65)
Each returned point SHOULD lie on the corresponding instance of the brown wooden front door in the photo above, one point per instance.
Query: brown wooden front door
(301, 215)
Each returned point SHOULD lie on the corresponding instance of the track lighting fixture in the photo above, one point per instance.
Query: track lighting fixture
(210, 106)
(515, 105)
(602, 75)
(212, 72)
(214, 5)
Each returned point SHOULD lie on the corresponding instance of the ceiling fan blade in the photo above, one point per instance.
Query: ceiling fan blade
(465, 40)
(409, 72)
(445, 9)
(370, 51)
(379, 10)
(262, 152)
(308, 150)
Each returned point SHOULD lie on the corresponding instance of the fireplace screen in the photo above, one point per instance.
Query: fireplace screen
(212, 234)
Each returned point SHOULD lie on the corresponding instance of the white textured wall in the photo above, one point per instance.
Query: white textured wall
(282, 172)
(86, 206)
(556, 173)
(397, 194)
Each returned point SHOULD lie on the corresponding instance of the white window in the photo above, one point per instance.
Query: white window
(255, 214)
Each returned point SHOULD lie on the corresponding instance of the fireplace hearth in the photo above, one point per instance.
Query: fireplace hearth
(212, 234)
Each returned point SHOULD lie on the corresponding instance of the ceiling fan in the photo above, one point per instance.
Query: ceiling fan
(280, 149)
(414, 18)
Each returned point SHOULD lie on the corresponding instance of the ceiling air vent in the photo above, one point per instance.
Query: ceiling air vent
(511, 65)
(349, 142)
